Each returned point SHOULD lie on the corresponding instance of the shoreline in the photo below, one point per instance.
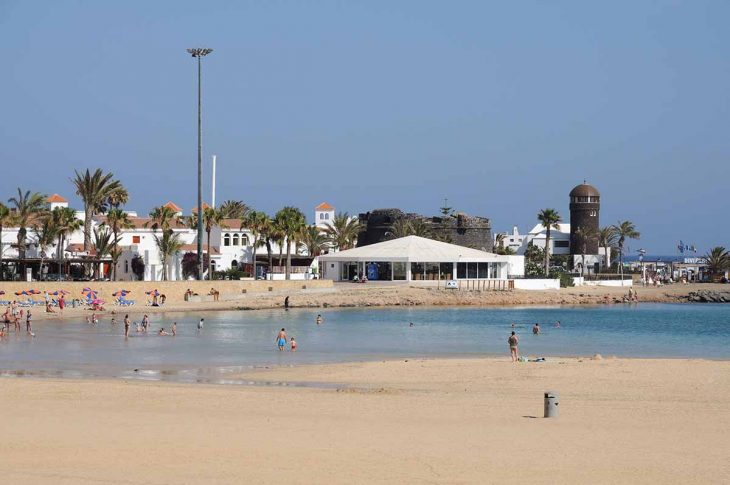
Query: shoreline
(388, 296)
(421, 421)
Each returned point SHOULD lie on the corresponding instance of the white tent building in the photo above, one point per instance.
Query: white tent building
(414, 258)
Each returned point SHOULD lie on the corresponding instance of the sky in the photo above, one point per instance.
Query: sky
(501, 107)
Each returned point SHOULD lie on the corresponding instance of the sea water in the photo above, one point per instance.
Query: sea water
(242, 339)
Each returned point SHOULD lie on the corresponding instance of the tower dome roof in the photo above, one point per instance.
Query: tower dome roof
(584, 190)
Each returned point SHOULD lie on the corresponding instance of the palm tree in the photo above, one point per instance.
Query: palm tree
(98, 191)
(168, 245)
(163, 218)
(104, 243)
(499, 240)
(234, 209)
(6, 218)
(607, 240)
(342, 231)
(117, 220)
(276, 233)
(584, 235)
(65, 222)
(257, 223)
(313, 240)
(27, 208)
(45, 236)
(420, 228)
(212, 218)
(549, 218)
(717, 260)
(291, 220)
(624, 230)
(400, 228)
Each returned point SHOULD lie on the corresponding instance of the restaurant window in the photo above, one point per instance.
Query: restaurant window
(399, 271)
(135, 239)
(446, 270)
(227, 240)
(561, 244)
(417, 271)
(483, 270)
(432, 271)
(461, 270)
(493, 270)
(235, 240)
(471, 270)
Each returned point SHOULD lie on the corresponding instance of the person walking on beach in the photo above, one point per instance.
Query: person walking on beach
(281, 340)
(513, 341)
(536, 329)
(126, 326)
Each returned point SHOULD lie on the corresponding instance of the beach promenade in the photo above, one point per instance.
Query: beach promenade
(436, 421)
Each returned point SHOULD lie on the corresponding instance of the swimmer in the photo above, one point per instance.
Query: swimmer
(174, 328)
(411, 324)
(536, 329)
(138, 327)
(557, 324)
(281, 340)
(319, 319)
(94, 318)
(293, 344)
(162, 332)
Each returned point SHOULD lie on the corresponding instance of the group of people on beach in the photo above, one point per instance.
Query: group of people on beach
(513, 340)
(13, 316)
(633, 296)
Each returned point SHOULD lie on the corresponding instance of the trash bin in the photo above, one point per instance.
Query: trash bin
(552, 399)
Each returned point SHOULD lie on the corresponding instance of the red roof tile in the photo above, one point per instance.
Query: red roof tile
(324, 206)
(56, 198)
(173, 206)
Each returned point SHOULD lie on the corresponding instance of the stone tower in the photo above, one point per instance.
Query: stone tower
(585, 204)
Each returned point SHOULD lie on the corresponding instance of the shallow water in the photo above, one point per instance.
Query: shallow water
(232, 341)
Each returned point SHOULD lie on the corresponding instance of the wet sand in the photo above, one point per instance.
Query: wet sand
(421, 421)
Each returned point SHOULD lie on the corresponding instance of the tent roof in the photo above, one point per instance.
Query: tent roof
(414, 249)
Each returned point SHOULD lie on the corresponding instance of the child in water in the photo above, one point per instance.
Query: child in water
(293, 344)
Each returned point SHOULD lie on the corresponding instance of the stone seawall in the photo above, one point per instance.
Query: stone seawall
(174, 291)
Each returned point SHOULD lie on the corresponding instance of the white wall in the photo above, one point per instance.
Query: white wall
(537, 284)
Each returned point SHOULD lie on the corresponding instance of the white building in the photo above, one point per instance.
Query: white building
(415, 258)
(323, 214)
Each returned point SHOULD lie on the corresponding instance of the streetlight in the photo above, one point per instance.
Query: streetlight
(199, 53)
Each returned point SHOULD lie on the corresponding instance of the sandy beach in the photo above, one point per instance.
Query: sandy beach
(417, 421)
(346, 295)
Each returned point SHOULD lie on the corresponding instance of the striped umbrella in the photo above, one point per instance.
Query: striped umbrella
(121, 293)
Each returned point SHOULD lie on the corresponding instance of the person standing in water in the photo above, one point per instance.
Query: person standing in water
(28, 324)
(536, 329)
(293, 344)
(174, 328)
(319, 319)
(126, 326)
(201, 323)
(513, 341)
(281, 340)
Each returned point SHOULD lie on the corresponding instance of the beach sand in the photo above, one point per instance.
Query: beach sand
(416, 421)
(373, 294)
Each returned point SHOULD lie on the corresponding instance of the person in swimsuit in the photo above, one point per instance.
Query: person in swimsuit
(162, 332)
(201, 323)
(319, 319)
(126, 326)
(28, 324)
(513, 341)
(174, 328)
(536, 329)
(557, 324)
(114, 321)
(145, 322)
(281, 340)
(293, 344)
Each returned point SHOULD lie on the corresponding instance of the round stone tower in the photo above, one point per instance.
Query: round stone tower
(585, 204)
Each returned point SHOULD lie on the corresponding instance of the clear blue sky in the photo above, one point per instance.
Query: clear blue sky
(500, 106)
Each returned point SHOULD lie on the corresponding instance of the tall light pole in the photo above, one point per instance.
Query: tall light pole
(199, 53)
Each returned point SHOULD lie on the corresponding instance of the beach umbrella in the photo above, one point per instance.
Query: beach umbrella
(121, 293)
(34, 292)
(86, 290)
(24, 292)
(153, 292)
(2, 292)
